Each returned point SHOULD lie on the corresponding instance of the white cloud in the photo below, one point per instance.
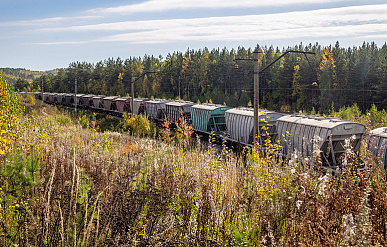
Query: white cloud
(48, 21)
(371, 13)
(353, 21)
(64, 43)
(161, 6)
(237, 33)
(167, 5)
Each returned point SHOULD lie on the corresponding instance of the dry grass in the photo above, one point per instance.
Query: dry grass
(111, 189)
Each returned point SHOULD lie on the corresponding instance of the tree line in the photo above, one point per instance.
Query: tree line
(332, 78)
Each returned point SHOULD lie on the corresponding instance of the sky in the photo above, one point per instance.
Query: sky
(49, 34)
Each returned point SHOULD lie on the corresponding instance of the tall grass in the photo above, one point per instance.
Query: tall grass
(91, 188)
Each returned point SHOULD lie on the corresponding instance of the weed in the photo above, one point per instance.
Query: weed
(65, 185)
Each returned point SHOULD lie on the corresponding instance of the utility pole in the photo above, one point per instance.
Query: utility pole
(132, 93)
(133, 81)
(76, 87)
(256, 96)
(257, 71)
(42, 87)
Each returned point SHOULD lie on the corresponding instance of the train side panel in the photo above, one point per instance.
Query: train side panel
(302, 134)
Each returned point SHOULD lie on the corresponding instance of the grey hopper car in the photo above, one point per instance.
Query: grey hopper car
(156, 108)
(377, 144)
(52, 97)
(68, 99)
(240, 124)
(109, 103)
(175, 109)
(300, 133)
(45, 97)
(60, 98)
(139, 105)
(38, 95)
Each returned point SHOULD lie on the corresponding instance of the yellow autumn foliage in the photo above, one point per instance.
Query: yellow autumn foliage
(10, 110)
(138, 125)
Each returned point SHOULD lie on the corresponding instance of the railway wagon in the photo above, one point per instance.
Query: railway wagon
(68, 99)
(86, 100)
(97, 102)
(109, 103)
(60, 98)
(78, 99)
(52, 98)
(123, 104)
(240, 124)
(299, 133)
(139, 105)
(175, 109)
(377, 144)
(38, 95)
(155, 109)
(209, 118)
(45, 97)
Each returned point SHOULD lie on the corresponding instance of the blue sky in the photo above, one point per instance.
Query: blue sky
(42, 34)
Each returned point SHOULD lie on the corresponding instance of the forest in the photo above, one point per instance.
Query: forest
(332, 78)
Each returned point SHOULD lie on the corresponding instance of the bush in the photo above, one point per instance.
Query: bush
(138, 125)
(19, 179)
(10, 111)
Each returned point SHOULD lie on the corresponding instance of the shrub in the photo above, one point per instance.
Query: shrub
(138, 125)
(10, 111)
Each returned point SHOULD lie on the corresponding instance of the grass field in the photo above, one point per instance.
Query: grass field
(67, 183)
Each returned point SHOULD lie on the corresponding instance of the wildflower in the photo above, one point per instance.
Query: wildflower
(348, 226)
(298, 204)
(323, 181)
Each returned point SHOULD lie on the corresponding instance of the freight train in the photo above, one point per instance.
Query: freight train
(295, 134)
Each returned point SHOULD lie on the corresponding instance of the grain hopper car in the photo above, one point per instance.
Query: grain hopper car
(52, 98)
(175, 109)
(123, 104)
(155, 109)
(98, 102)
(67, 99)
(60, 98)
(109, 103)
(240, 124)
(209, 118)
(300, 134)
(377, 144)
(77, 99)
(139, 105)
(38, 95)
(45, 97)
(86, 101)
